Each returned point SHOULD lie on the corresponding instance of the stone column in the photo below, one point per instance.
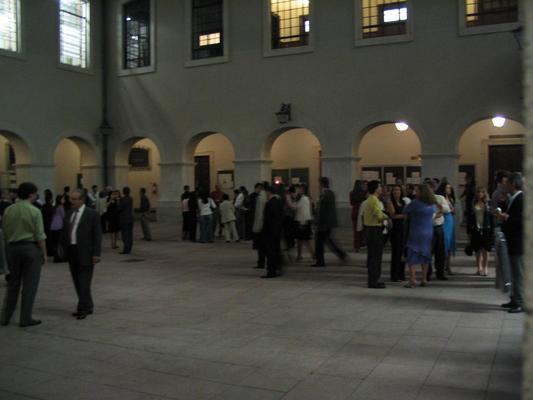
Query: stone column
(528, 170)
(439, 165)
(92, 175)
(249, 172)
(341, 171)
(174, 175)
(119, 176)
(43, 175)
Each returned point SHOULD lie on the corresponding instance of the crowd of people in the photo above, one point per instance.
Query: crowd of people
(419, 221)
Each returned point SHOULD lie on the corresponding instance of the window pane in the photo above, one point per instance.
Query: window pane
(384, 17)
(74, 23)
(289, 23)
(136, 34)
(489, 12)
(207, 29)
(9, 25)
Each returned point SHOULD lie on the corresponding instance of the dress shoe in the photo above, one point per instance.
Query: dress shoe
(516, 310)
(78, 313)
(318, 265)
(32, 322)
(442, 278)
(268, 276)
(124, 252)
(82, 316)
(509, 305)
(259, 267)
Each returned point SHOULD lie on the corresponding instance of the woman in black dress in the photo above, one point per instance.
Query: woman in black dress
(113, 224)
(481, 230)
(397, 234)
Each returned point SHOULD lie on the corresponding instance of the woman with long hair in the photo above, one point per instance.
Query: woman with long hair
(357, 196)
(303, 217)
(420, 213)
(481, 229)
(446, 190)
(113, 222)
(395, 209)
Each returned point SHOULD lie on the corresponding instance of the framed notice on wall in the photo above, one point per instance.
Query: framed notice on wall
(413, 175)
(392, 174)
(139, 158)
(371, 174)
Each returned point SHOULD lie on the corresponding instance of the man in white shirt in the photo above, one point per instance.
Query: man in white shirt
(439, 251)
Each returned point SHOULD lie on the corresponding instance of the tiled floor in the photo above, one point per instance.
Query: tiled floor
(193, 321)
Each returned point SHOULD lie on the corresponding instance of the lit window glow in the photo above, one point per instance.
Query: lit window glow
(209, 39)
(307, 26)
(74, 28)
(401, 126)
(9, 25)
(395, 15)
(498, 121)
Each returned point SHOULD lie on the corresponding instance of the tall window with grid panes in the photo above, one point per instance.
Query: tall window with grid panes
(207, 29)
(136, 34)
(490, 12)
(74, 32)
(10, 25)
(383, 18)
(289, 23)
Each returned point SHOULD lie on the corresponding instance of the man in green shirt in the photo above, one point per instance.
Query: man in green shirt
(373, 217)
(26, 252)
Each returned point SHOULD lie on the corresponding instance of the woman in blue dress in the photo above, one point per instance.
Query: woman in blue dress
(420, 214)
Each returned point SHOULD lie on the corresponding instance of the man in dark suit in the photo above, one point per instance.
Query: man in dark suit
(271, 231)
(512, 228)
(326, 220)
(125, 217)
(83, 240)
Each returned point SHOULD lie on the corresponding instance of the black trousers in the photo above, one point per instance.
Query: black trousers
(25, 261)
(82, 276)
(439, 252)
(324, 238)
(126, 231)
(272, 248)
(397, 265)
(374, 245)
(193, 225)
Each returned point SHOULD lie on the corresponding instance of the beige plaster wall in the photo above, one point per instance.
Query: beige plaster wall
(474, 143)
(145, 178)
(298, 148)
(67, 165)
(385, 145)
(4, 157)
(221, 155)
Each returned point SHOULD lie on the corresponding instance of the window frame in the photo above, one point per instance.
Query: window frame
(120, 42)
(91, 37)
(360, 41)
(465, 30)
(20, 54)
(224, 58)
(268, 51)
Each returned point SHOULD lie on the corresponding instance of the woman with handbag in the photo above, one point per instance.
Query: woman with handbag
(481, 229)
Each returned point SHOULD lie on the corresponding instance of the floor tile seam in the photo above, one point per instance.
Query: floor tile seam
(492, 366)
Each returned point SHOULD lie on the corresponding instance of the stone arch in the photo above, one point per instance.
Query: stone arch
(295, 154)
(11, 173)
(210, 156)
(385, 152)
(76, 163)
(482, 148)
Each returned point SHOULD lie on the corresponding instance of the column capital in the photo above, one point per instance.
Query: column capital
(251, 161)
(340, 158)
(434, 156)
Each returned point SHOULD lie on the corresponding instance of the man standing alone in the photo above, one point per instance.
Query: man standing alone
(125, 215)
(83, 242)
(145, 215)
(26, 252)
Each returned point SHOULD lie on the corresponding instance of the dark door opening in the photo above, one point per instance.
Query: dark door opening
(202, 178)
(507, 157)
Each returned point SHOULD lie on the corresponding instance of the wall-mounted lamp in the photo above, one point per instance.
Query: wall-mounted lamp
(401, 126)
(284, 113)
(498, 121)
